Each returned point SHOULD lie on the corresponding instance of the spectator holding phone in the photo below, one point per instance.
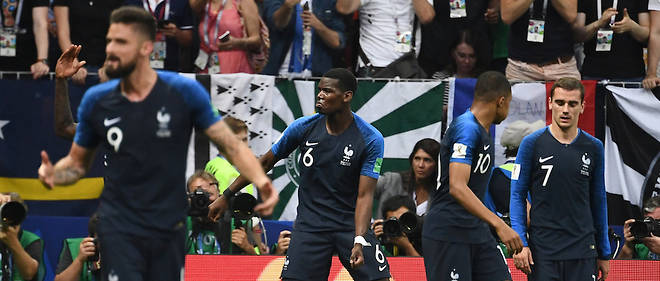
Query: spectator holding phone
(223, 43)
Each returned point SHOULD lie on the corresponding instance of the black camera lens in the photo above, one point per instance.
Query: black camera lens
(242, 206)
(392, 228)
(12, 213)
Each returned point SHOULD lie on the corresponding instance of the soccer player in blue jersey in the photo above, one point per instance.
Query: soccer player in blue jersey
(339, 166)
(561, 168)
(144, 121)
(456, 240)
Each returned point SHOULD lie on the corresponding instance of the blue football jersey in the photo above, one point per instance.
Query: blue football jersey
(568, 218)
(330, 168)
(465, 141)
(146, 144)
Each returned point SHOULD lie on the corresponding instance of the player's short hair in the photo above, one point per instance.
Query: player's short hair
(651, 204)
(203, 175)
(141, 20)
(347, 81)
(236, 125)
(569, 84)
(395, 202)
(490, 86)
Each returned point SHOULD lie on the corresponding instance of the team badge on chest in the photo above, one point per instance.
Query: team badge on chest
(586, 163)
(346, 158)
(163, 119)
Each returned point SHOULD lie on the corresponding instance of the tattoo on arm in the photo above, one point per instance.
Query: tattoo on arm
(67, 176)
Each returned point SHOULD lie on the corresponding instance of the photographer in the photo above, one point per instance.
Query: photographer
(647, 248)
(206, 237)
(21, 251)
(396, 242)
(79, 259)
(282, 246)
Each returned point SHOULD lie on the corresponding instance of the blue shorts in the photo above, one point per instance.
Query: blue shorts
(564, 270)
(137, 258)
(460, 261)
(310, 256)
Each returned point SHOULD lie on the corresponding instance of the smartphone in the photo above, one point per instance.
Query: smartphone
(306, 6)
(224, 37)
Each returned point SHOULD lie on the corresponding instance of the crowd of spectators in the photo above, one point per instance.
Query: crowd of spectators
(529, 40)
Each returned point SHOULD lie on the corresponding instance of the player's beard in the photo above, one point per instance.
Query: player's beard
(122, 70)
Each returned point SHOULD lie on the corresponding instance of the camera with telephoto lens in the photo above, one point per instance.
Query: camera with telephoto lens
(644, 228)
(199, 203)
(95, 256)
(12, 213)
(409, 224)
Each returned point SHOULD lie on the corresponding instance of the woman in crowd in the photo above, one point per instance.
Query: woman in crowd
(233, 19)
(468, 58)
(418, 182)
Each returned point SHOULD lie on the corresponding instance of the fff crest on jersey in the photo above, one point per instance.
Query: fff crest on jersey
(163, 119)
(346, 158)
(586, 162)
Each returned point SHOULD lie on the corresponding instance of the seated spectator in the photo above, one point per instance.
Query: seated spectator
(84, 23)
(291, 54)
(224, 172)
(540, 39)
(417, 183)
(386, 29)
(468, 57)
(647, 248)
(398, 243)
(206, 237)
(175, 31)
(283, 241)
(228, 54)
(79, 259)
(21, 251)
(614, 39)
(24, 37)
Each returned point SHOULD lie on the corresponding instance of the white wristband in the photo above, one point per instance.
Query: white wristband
(360, 240)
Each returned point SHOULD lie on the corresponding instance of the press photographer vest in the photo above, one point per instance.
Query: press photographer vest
(26, 238)
(74, 248)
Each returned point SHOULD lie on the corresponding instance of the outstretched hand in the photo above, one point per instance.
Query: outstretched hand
(46, 171)
(68, 64)
(270, 198)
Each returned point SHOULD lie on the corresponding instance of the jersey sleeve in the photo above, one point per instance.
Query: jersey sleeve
(374, 160)
(85, 135)
(290, 139)
(466, 139)
(598, 202)
(520, 180)
(198, 99)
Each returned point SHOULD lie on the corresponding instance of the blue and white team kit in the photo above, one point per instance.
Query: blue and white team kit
(330, 170)
(143, 205)
(457, 245)
(568, 217)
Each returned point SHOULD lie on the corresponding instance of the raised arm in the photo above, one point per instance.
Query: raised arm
(329, 36)
(282, 16)
(639, 31)
(511, 10)
(67, 65)
(242, 157)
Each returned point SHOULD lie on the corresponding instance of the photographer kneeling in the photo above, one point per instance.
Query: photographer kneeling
(400, 232)
(230, 235)
(79, 259)
(21, 251)
(643, 236)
